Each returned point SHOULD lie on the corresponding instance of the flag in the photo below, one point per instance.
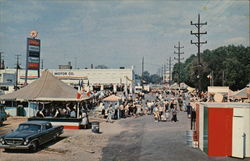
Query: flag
(78, 95)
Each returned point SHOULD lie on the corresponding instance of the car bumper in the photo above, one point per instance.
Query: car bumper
(15, 146)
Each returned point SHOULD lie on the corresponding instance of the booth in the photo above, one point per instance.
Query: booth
(48, 95)
(223, 129)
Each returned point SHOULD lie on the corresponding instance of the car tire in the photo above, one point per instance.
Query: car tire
(7, 150)
(34, 146)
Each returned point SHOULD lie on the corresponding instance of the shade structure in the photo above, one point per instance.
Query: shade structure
(46, 88)
(244, 93)
(112, 98)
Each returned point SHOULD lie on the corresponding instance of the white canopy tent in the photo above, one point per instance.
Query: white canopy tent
(46, 88)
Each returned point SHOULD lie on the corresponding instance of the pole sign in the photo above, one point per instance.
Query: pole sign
(33, 54)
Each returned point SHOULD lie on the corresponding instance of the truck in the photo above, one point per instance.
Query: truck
(30, 135)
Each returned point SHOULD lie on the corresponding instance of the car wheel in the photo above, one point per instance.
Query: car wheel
(34, 146)
(7, 150)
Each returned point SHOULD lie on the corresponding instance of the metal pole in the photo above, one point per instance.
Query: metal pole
(170, 72)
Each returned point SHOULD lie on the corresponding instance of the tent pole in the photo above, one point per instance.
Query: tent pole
(28, 109)
(77, 110)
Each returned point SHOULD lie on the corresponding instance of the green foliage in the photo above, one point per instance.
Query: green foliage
(101, 67)
(148, 78)
(233, 60)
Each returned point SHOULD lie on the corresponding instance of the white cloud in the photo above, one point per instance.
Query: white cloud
(238, 41)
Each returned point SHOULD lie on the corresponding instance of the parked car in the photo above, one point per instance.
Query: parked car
(30, 135)
(3, 115)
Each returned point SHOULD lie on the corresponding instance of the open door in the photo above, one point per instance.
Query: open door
(239, 141)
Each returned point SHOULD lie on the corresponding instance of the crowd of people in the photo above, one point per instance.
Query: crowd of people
(162, 105)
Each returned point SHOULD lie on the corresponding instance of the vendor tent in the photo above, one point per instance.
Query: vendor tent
(244, 93)
(112, 98)
(183, 86)
(46, 88)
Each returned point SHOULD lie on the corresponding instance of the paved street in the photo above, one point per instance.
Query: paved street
(146, 140)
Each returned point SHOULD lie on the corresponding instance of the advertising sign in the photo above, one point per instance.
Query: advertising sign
(33, 60)
(33, 53)
(33, 65)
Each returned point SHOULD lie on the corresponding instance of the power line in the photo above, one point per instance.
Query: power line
(179, 59)
(198, 44)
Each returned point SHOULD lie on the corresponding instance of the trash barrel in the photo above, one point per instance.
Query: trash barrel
(95, 127)
(189, 138)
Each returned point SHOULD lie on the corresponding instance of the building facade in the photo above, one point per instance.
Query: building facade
(93, 79)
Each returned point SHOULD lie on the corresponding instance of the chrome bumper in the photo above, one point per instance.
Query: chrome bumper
(15, 146)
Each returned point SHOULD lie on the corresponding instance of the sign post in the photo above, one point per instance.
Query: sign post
(33, 54)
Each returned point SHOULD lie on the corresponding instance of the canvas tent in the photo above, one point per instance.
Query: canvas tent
(243, 94)
(183, 86)
(112, 98)
(46, 88)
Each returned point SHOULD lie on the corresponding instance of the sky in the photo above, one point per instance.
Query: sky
(118, 33)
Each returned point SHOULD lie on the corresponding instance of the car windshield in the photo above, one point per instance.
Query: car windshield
(28, 127)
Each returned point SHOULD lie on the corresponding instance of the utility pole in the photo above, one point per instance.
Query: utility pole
(164, 73)
(17, 67)
(179, 60)
(42, 64)
(170, 72)
(142, 71)
(198, 44)
(0, 60)
(162, 70)
(223, 78)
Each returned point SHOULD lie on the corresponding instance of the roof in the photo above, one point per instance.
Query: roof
(112, 98)
(244, 93)
(226, 105)
(46, 88)
(36, 122)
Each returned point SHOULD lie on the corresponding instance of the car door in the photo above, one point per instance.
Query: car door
(43, 134)
(50, 131)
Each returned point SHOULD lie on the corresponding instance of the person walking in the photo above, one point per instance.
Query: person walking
(160, 112)
(110, 113)
(174, 114)
(156, 113)
(189, 108)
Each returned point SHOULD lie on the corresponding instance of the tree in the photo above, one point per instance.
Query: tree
(146, 77)
(155, 79)
(231, 60)
(101, 67)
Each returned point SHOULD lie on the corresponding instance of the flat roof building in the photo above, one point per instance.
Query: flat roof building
(95, 79)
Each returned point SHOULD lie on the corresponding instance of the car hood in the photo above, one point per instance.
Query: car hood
(19, 134)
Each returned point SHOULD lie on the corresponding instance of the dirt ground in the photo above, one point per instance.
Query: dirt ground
(82, 145)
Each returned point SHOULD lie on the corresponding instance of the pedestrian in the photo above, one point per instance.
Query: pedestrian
(84, 121)
(160, 112)
(122, 109)
(193, 118)
(110, 114)
(156, 113)
(189, 108)
(174, 114)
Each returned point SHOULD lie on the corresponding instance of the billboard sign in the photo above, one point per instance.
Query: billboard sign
(33, 60)
(33, 53)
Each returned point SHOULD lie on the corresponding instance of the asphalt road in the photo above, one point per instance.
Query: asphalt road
(146, 140)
